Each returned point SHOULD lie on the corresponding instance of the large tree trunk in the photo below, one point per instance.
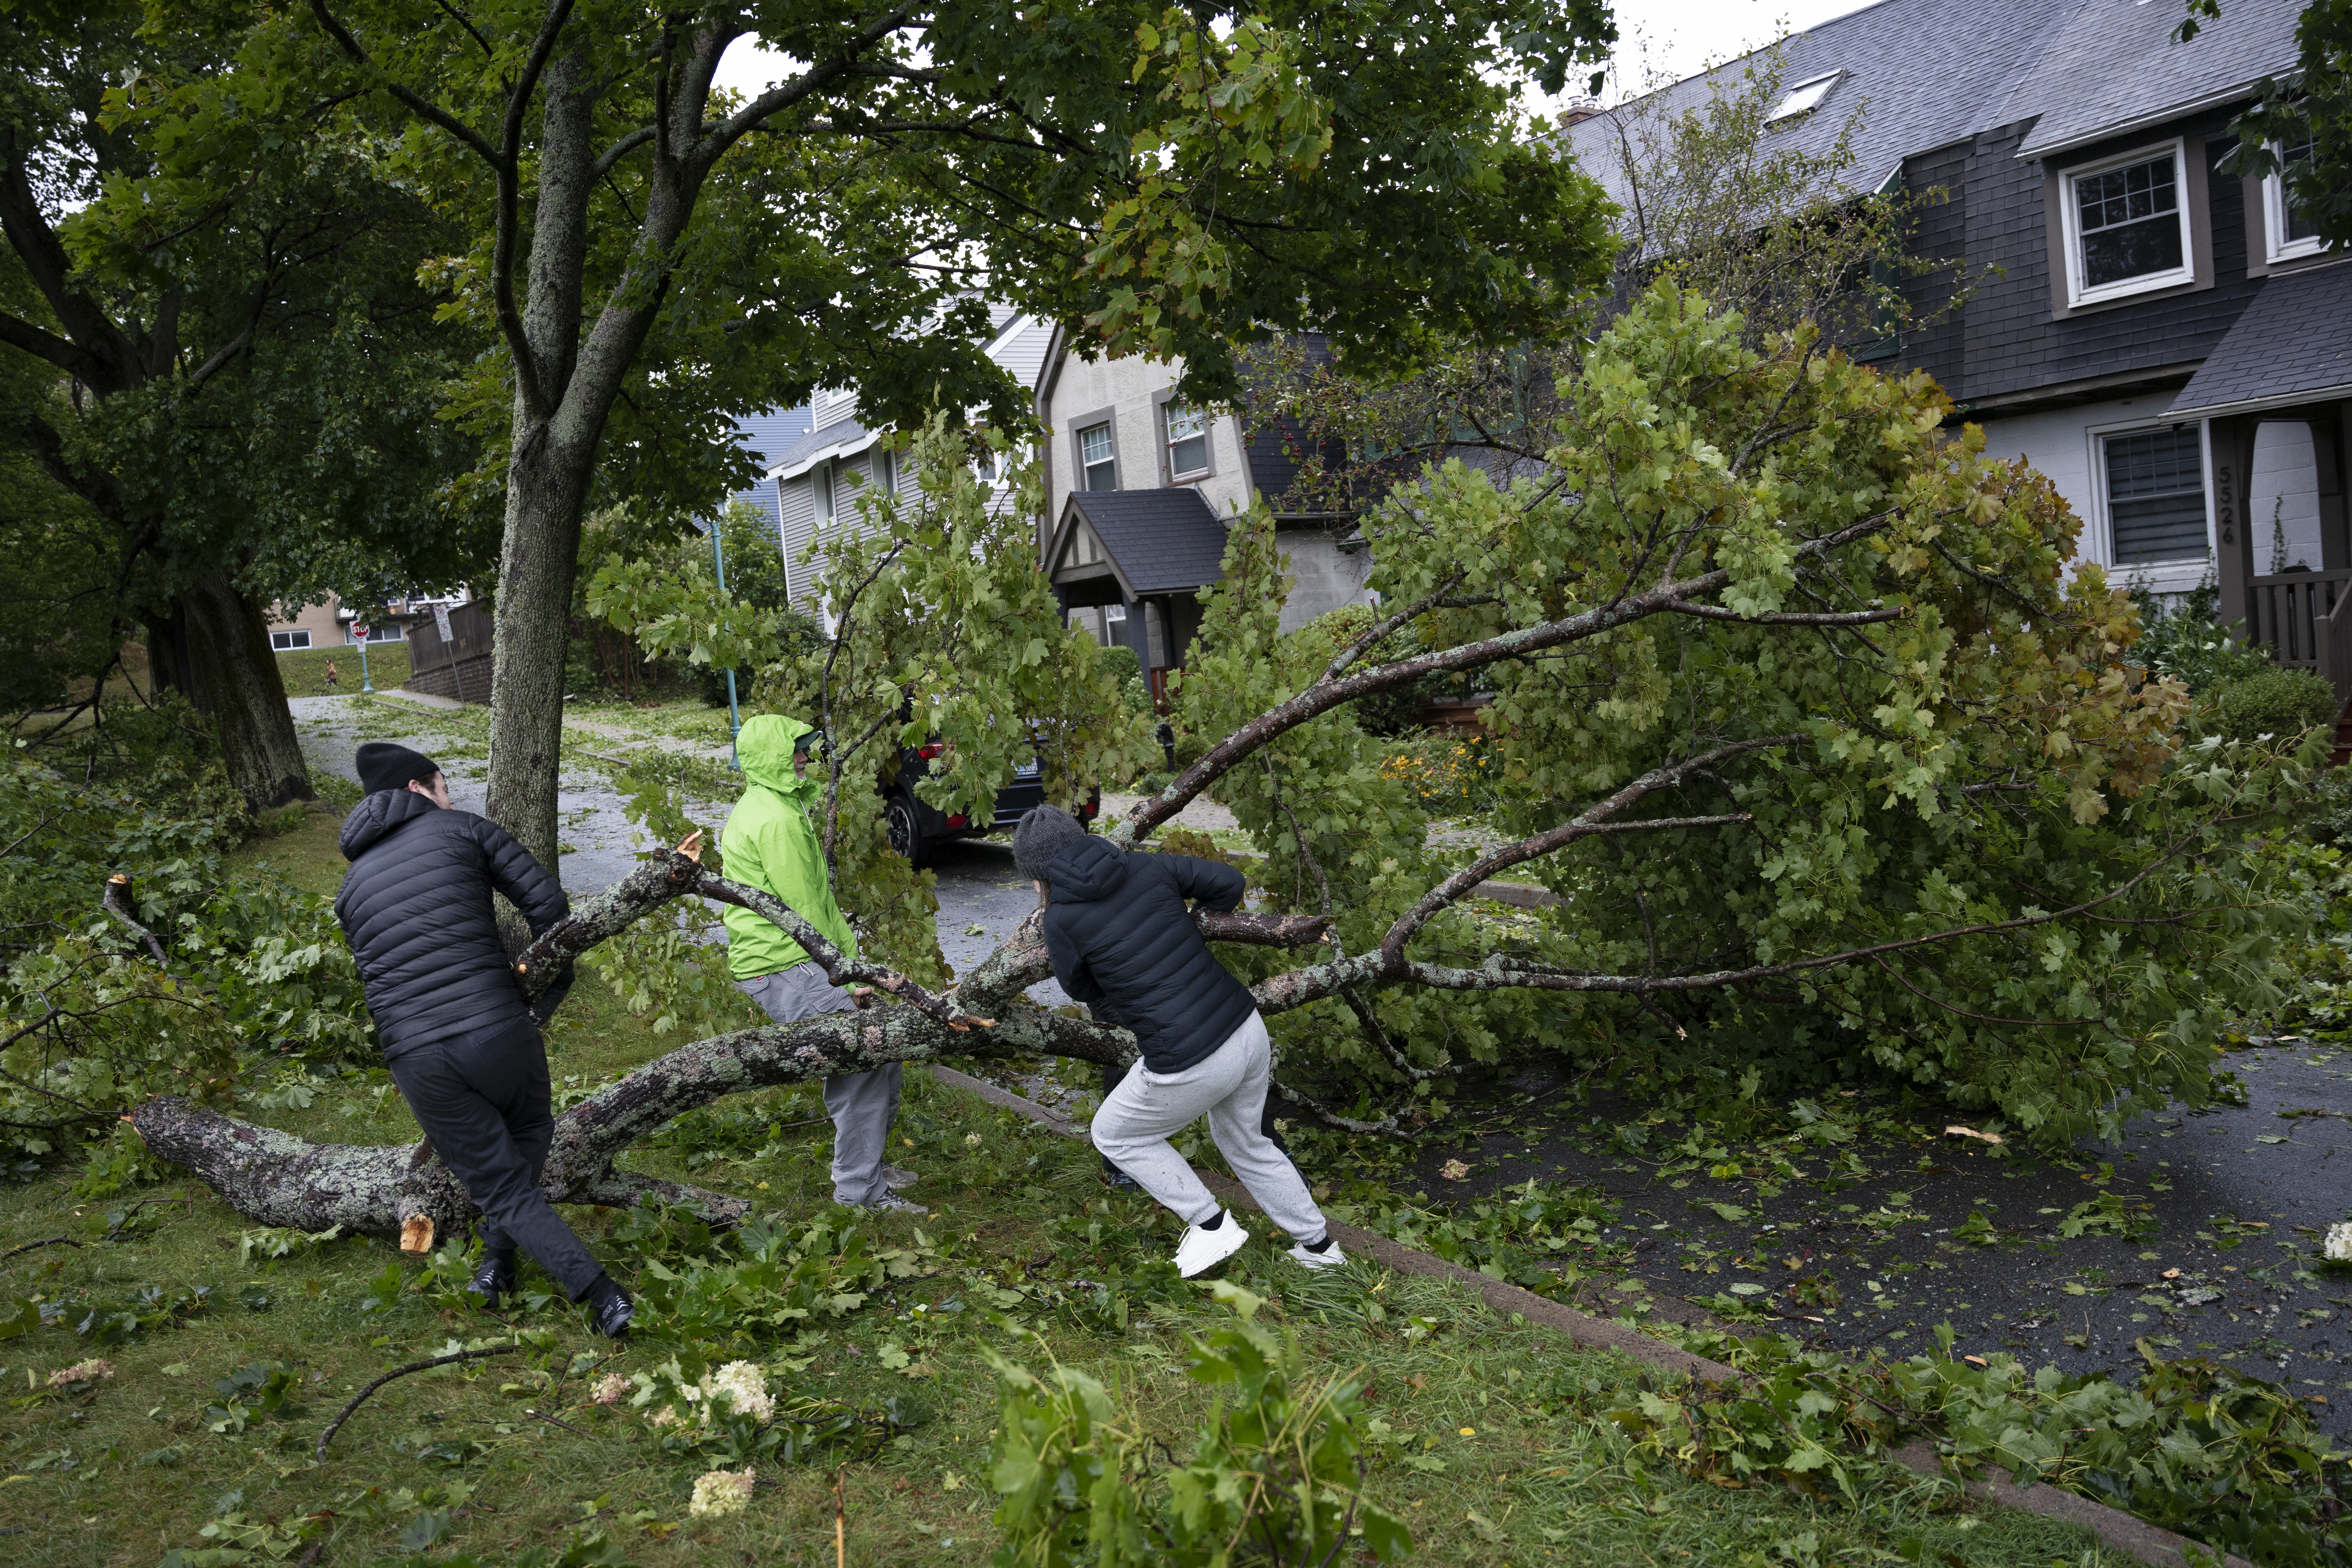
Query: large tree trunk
(560, 407)
(213, 647)
(545, 492)
(277, 1178)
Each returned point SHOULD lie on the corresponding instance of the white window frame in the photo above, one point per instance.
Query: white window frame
(290, 645)
(2100, 536)
(2276, 246)
(821, 507)
(2077, 293)
(1820, 86)
(1167, 412)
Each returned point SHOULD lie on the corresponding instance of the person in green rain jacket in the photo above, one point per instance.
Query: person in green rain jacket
(769, 843)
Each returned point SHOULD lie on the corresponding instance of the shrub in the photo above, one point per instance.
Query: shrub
(2281, 703)
(1276, 1469)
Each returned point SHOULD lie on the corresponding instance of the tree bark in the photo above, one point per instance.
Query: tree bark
(213, 646)
(277, 1178)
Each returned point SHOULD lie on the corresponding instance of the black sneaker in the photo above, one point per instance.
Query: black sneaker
(609, 1308)
(494, 1280)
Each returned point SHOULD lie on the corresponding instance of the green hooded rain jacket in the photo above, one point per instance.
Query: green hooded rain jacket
(769, 843)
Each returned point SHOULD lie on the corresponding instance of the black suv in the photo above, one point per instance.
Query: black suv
(917, 828)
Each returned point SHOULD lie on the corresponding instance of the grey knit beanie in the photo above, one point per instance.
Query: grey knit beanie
(1044, 832)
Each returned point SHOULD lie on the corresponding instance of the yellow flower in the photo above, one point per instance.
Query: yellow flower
(1469, 1431)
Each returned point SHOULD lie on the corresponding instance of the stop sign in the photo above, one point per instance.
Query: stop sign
(360, 633)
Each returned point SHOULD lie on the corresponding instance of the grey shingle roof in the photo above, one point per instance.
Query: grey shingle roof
(1932, 71)
(1161, 541)
(1927, 71)
(2294, 339)
(2115, 65)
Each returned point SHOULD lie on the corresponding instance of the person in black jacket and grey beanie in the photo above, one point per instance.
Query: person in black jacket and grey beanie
(1122, 940)
(460, 1041)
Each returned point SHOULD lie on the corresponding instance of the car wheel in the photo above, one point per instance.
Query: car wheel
(906, 830)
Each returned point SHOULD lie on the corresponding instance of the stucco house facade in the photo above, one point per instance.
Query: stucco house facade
(1139, 493)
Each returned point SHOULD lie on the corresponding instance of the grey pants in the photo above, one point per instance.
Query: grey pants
(485, 1106)
(1229, 1086)
(862, 1104)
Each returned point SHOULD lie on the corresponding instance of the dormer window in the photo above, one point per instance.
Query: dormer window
(2126, 226)
(1803, 98)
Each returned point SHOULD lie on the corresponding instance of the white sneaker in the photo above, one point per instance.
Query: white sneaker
(898, 1178)
(891, 1203)
(1329, 1257)
(1203, 1250)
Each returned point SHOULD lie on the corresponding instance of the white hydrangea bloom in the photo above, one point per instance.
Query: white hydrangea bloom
(612, 1388)
(720, 1493)
(746, 1386)
(2338, 1246)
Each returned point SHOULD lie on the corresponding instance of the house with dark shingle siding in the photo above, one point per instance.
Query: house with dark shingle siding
(2169, 343)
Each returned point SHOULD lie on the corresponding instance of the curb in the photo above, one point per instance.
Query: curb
(2114, 1527)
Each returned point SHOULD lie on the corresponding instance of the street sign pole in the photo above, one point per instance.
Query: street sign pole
(367, 688)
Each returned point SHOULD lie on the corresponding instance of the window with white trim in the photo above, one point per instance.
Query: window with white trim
(821, 482)
(281, 641)
(2288, 233)
(2155, 494)
(1188, 441)
(1096, 459)
(1803, 98)
(2127, 225)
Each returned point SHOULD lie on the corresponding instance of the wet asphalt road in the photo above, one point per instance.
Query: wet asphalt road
(2224, 1208)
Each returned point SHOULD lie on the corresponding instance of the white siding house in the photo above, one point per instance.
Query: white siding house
(827, 478)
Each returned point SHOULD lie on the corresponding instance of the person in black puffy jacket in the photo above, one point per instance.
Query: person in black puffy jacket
(1122, 940)
(454, 1030)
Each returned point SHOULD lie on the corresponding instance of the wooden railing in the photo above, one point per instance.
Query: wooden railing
(2305, 618)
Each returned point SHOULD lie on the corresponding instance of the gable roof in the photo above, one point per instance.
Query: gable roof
(2294, 343)
(1158, 541)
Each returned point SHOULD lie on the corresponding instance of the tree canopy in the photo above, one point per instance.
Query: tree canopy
(216, 343)
(652, 254)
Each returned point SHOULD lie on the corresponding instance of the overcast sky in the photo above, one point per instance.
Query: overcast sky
(1678, 35)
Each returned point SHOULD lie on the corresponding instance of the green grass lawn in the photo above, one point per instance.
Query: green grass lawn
(1515, 1461)
(304, 670)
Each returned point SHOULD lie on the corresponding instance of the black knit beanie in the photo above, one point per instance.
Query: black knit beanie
(1044, 832)
(384, 765)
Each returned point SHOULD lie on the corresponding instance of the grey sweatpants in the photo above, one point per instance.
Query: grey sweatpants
(1229, 1086)
(862, 1104)
(485, 1106)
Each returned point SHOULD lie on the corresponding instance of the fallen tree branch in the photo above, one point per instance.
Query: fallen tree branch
(34, 1245)
(116, 901)
(360, 1398)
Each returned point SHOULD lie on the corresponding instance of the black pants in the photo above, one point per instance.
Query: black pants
(487, 1108)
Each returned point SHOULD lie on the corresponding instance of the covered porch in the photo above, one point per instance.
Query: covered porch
(2288, 361)
(1129, 565)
